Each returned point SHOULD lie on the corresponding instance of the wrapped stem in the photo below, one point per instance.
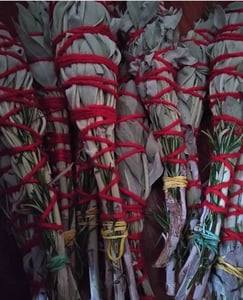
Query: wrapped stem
(131, 139)
(87, 59)
(22, 127)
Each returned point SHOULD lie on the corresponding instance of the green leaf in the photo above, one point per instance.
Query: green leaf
(152, 35)
(234, 6)
(134, 9)
(44, 73)
(219, 17)
(33, 49)
(232, 108)
(149, 11)
(25, 19)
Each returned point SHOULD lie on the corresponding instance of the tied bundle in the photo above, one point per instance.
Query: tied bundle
(33, 32)
(227, 87)
(30, 202)
(87, 238)
(152, 53)
(227, 279)
(225, 90)
(192, 89)
(87, 59)
(138, 171)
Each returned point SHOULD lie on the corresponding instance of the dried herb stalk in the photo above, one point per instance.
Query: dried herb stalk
(192, 84)
(152, 55)
(36, 212)
(131, 141)
(224, 92)
(33, 32)
(87, 58)
(87, 250)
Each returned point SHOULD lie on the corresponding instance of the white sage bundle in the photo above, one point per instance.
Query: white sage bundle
(152, 53)
(33, 32)
(133, 142)
(31, 202)
(87, 59)
(225, 88)
(192, 88)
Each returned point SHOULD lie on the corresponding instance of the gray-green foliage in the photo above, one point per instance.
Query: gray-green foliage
(38, 46)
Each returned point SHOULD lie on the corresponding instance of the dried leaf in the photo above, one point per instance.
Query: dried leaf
(150, 10)
(219, 17)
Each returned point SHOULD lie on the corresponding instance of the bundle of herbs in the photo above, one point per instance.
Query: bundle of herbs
(31, 201)
(33, 32)
(226, 279)
(225, 88)
(139, 166)
(153, 57)
(192, 90)
(88, 250)
(87, 58)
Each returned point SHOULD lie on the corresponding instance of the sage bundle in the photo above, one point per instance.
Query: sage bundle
(152, 53)
(226, 279)
(31, 201)
(87, 237)
(35, 36)
(87, 58)
(136, 178)
(192, 89)
(33, 32)
(225, 88)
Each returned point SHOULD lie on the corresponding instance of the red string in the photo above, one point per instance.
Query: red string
(95, 81)
(136, 149)
(221, 96)
(58, 145)
(229, 119)
(232, 236)
(78, 33)
(194, 91)
(217, 189)
(134, 35)
(23, 100)
(135, 204)
(224, 57)
(229, 37)
(77, 58)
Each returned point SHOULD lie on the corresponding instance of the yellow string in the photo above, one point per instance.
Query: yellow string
(111, 233)
(69, 237)
(174, 182)
(89, 218)
(232, 270)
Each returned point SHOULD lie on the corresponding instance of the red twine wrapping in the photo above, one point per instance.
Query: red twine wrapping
(106, 115)
(135, 208)
(23, 100)
(158, 99)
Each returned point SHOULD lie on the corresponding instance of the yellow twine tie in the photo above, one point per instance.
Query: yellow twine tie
(69, 237)
(174, 182)
(89, 218)
(232, 270)
(112, 232)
